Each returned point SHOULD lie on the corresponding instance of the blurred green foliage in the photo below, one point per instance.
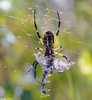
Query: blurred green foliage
(18, 41)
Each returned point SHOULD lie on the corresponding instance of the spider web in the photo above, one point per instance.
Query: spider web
(47, 20)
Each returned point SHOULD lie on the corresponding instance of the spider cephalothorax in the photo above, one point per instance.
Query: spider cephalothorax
(48, 43)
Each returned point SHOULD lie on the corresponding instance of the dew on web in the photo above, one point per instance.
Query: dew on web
(19, 36)
(60, 65)
(29, 8)
(15, 71)
(4, 66)
(45, 16)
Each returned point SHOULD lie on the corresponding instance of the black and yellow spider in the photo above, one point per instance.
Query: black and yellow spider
(48, 43)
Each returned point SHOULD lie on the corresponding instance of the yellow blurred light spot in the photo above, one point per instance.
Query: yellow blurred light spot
(85, 63)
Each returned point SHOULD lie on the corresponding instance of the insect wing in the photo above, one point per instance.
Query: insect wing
(62, 65)
(41, 60)
(59, 65)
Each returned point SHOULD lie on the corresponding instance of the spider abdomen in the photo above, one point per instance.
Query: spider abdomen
(48, 39)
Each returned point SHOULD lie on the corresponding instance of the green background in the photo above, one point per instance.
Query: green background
(18, 40)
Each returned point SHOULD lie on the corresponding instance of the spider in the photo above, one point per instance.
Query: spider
(49, 52)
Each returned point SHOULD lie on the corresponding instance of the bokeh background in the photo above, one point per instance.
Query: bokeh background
(18, 40)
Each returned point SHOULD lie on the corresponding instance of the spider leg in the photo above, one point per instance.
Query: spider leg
(39, 49)
(58, 27)
(63, 56)
(34, 63)
(58, 23)
(37, 29)
(31, 66)
(58, 49)
(35, 73)
(44, 76)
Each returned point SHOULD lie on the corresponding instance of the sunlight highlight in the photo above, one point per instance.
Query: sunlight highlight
(5, 5)
(85, 63)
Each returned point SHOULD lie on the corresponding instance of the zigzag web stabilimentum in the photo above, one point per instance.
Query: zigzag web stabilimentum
(47, 20)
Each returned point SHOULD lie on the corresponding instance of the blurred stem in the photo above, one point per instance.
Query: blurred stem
(73, 91)
(71, 88)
